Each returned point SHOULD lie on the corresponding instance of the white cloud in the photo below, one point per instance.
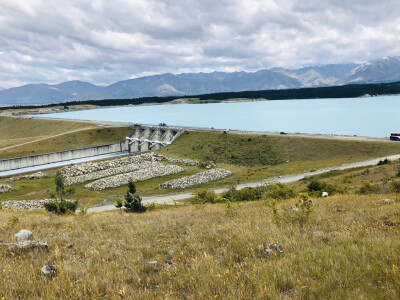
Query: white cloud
(105, 41)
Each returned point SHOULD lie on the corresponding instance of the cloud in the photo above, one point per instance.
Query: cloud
(105, 41)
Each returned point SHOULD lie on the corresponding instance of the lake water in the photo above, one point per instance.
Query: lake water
(375, 117)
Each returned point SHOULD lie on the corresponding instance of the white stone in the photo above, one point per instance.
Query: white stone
(325, 194)
(24, 235)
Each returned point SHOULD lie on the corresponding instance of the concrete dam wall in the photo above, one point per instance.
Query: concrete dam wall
(144, 138)
(41, 159)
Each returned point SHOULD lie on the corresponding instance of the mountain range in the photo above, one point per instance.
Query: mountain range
(383, 70)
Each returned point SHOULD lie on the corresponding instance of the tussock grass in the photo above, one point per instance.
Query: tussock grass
(348, 249)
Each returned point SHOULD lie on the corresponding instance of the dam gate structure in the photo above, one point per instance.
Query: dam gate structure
(147, 138)
(144, 138)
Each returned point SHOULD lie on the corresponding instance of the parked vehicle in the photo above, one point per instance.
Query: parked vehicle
(395, 136)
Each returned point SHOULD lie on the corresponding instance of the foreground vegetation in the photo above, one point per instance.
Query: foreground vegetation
(349, 248)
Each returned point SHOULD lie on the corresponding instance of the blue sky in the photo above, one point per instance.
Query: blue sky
(106, 41)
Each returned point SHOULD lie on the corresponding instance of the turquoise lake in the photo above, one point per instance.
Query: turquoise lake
(374, 117)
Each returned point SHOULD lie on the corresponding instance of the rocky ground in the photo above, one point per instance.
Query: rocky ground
(25, 204)
(145, 173)
(199, 178)
(117, 172)
(91, 167)
(103, 173)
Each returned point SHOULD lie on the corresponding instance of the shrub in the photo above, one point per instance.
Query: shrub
(383, 162)
(245, 194)
(204, 196)
(316, 188)
(398, 172)
(278, 191)
(368, 188)
(61, 208)
(118, 203)
(395, 188)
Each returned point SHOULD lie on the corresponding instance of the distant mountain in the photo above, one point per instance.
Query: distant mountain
(384, 70)
(318, 76)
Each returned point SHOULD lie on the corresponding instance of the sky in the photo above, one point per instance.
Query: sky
(99, 41)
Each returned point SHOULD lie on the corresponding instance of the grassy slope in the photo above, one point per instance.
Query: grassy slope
(14, 128)
(349, 253)
(256, 150)
(81, 139)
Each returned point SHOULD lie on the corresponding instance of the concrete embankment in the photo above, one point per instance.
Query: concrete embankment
(41, 159)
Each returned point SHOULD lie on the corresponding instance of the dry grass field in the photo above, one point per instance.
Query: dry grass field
(348, 249)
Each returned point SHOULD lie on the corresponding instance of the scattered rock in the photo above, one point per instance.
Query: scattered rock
(29, 245)
(325, 194)
(153, 263)
(385, 201)
(207, 165)
(128, 268)
(202, 177)
(70, 246)
(37, 175)
(168, 261)
(295, 208)
(273, 249)
(24, 235)
(26, 245)
(49, 271)
(171, 252)
(5, 188)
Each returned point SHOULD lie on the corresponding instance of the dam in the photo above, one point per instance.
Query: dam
(143, 138)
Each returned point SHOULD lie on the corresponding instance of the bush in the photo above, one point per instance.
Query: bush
(245, 194)
(278, 191)
(118, 203)
(316, 188)
(367, 189)
(383, 162)
(204, 196)
(61, 208)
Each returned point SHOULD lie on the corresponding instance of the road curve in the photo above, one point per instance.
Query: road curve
(169, 199)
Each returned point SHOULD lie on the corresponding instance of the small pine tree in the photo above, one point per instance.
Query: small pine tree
(137, 205)
(133, 203)
(132, 187)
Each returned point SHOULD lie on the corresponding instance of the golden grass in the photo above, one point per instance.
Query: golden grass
(351, 252)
